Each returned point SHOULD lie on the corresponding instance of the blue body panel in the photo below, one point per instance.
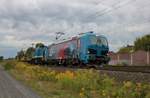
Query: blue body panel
(86, 44)
(41, 52)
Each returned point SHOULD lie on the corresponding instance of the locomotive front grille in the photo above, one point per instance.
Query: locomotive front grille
(92, 51)
(104, 52)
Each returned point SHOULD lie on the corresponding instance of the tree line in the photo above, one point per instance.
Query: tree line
(141, 43)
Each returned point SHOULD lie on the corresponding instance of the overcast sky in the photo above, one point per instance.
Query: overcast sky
(23, 22)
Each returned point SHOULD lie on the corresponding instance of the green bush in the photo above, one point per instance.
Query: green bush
(9, 65)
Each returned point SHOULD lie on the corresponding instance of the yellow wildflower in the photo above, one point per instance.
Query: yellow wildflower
(69, 74)
(108, 97)
(82, 89)
(81, 94)
(139, 85)
(127, 84)
(103, 93)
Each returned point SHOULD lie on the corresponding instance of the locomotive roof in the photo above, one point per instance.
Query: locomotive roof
(64, 41)
(74, 38)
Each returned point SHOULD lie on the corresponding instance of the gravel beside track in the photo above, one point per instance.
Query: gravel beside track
(141, 69)
(128, 76)
(10, 88)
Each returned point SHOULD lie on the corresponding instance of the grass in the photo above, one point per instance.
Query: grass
(78, 84)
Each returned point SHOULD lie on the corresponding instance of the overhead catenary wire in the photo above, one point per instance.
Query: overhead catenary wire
(114, 7)
(99, 3)
(102, 10)
(116, 3)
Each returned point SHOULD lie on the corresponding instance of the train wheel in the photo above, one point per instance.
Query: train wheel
(64, 62)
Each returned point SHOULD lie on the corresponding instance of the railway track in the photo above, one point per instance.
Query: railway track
(140, 69)
(135, 69)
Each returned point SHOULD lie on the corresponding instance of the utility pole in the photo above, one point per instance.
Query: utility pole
(118, 58)
(131, 59)
(131, 56)
(148, 56)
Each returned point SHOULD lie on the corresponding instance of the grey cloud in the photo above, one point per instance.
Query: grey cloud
(38, 20)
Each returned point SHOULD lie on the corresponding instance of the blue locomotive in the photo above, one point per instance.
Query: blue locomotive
(87, 48)
(40, 55)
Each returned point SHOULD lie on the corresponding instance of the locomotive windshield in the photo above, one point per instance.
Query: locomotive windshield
(93, 40)
(98, 40)
(102, 41)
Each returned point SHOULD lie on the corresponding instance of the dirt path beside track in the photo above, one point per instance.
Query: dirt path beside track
(10, 88)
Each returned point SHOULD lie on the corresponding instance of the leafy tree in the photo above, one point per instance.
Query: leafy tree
(142, 43)
(39, 45)
(20, 55)
(1, 58)
(126, 49)
(29, 52)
